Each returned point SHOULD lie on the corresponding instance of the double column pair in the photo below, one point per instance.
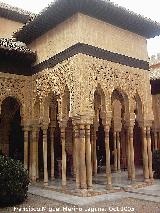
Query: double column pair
(52, 131)
(31, 156)
(147, 154)
(83, 156)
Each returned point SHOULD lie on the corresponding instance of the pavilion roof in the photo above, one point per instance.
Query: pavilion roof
(14, 13)
(104, 10)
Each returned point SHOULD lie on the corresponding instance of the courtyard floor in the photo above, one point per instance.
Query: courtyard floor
(127, 198)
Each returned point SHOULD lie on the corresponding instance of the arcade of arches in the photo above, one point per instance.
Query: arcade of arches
(111, 134)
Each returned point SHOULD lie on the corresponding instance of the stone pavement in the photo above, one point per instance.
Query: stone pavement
(149, 193)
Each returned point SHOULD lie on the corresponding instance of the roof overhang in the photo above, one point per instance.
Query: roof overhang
(104, 10)
(14, 13)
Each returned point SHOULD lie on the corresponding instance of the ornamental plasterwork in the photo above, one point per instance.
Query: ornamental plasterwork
(18, 87)
(112, 76)
(82, 74)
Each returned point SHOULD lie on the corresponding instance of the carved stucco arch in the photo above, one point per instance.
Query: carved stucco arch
(20, 101)
(45, 104)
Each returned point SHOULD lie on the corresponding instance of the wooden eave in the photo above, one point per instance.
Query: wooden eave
(14, 13)
(104, 10)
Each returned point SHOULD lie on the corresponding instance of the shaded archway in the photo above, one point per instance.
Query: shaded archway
(137, 132)
(98, 146)
(119, 129)
(11, 130)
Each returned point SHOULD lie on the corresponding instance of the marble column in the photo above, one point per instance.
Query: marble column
(118, 152)
(44, 129)
(74, 156)
(94, 152)
(34, 152)
(149, 152)
(108, 166)
(88, 158)
(26, 141)
(115, 151)
(37, 156)
(92, 148)
(63, 157)
(155, 140)
(52, 131)
(128, 155)
(145, 156)
(83, 184)
(77, 152)
(30, 158)
(132, 153)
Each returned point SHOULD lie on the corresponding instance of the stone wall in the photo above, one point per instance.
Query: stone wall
(8, 27)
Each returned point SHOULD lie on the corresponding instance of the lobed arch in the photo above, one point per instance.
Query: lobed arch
(63, 102)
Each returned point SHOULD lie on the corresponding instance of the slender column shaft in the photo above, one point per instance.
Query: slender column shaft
(37, 163)
(30, 159)
(128, 155)
(132, 153)
(118, 152)
(77, 145)
(63, 157)
(26, 131)
(94, 153)
(52, 130)
(155, 141)
(108, 167)
(82, 158)
(145, 156)
(74, 157)
(115, 152)
(88, 157)
(45, 156)
(92, 148)
(149, 153)
(34, 158)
